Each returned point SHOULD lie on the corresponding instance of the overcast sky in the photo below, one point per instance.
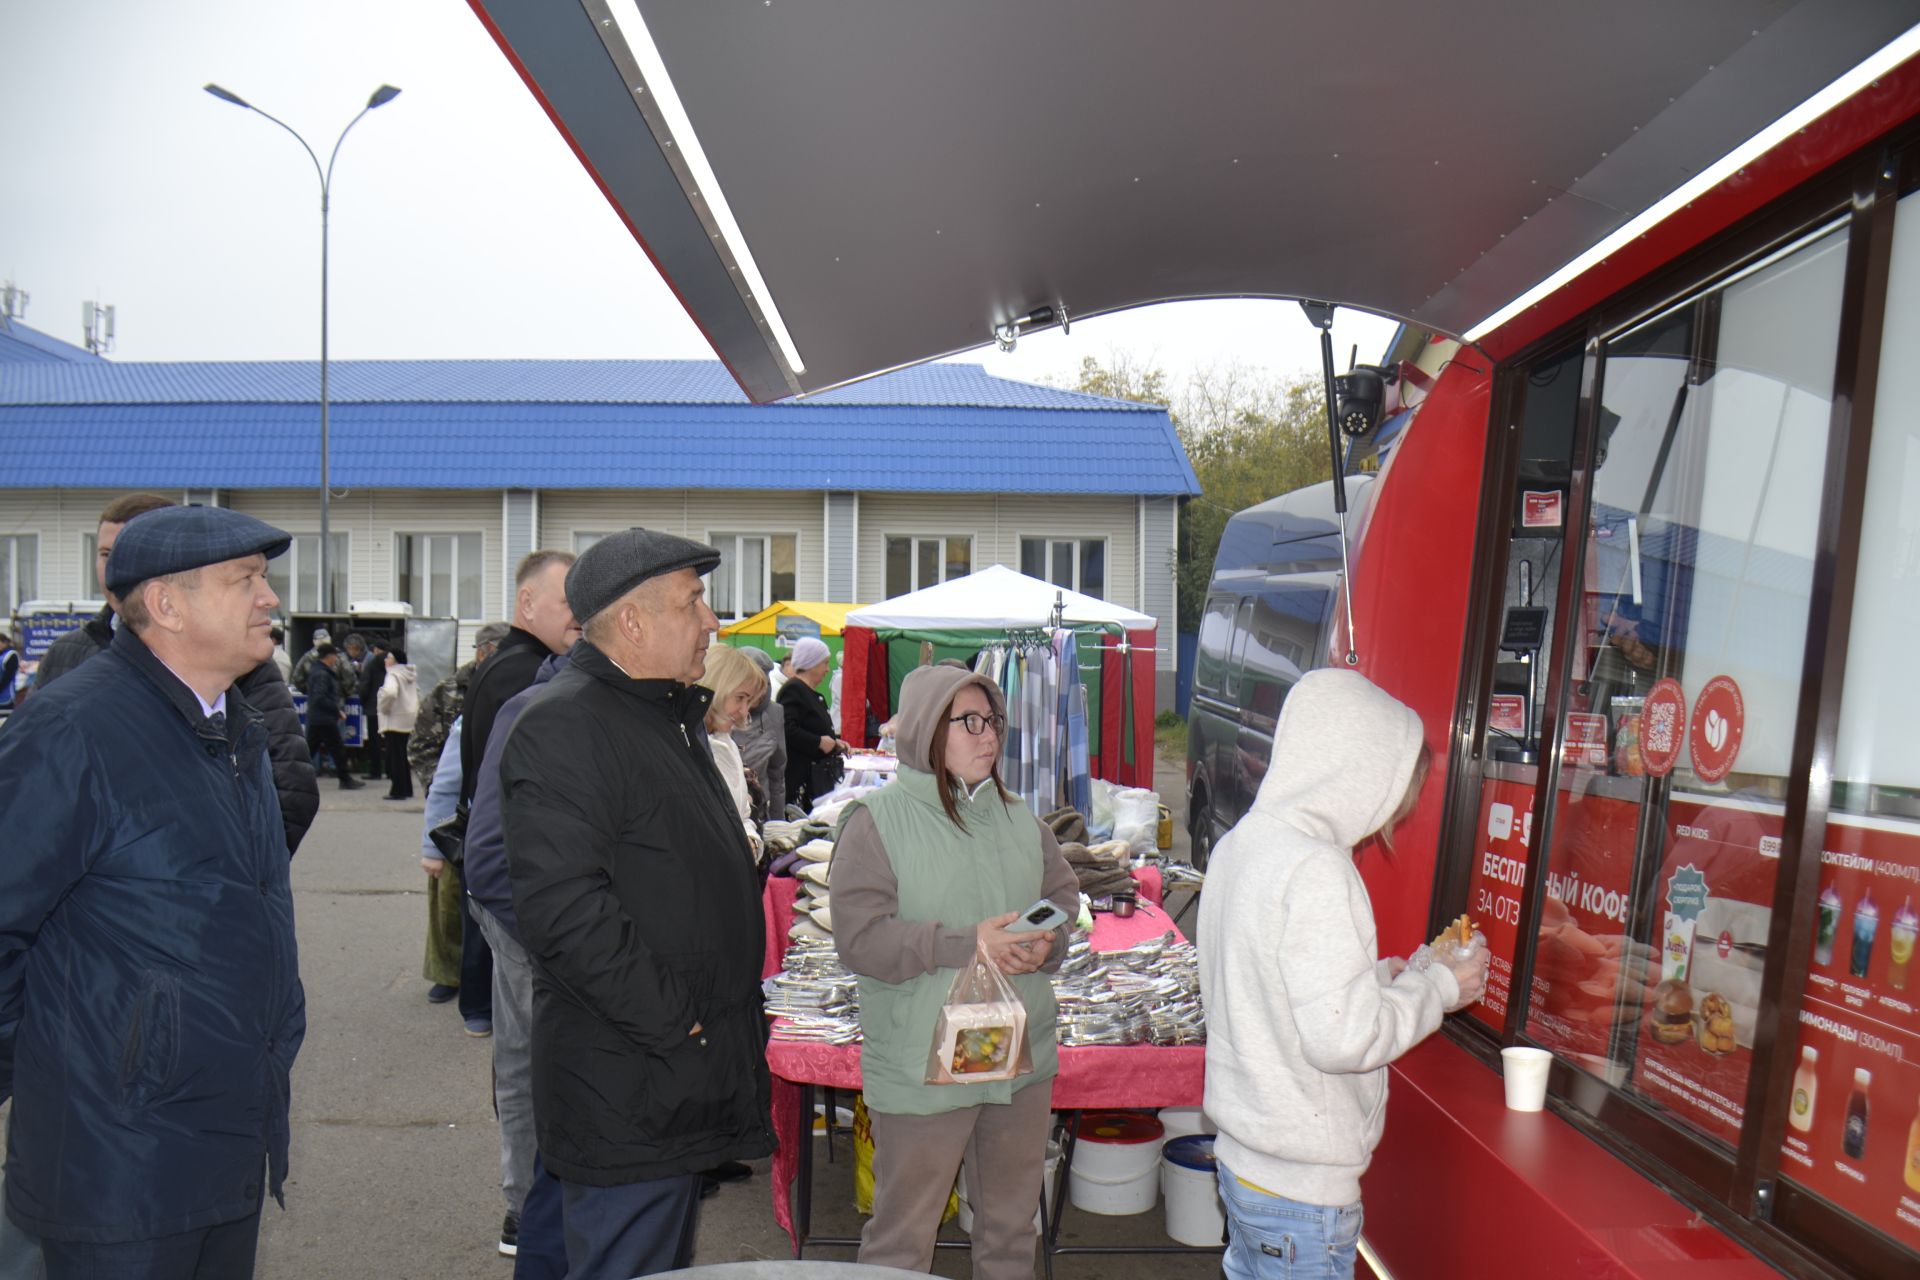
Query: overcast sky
(462, 224)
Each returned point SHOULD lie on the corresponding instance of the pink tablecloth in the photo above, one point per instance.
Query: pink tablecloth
(1093, 1076)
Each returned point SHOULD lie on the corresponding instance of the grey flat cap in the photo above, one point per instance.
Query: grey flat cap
(176, 539)
(620, 562)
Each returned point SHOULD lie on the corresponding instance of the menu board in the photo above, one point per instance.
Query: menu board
(1853, 1123)
(1714, 907)
(1499, 876)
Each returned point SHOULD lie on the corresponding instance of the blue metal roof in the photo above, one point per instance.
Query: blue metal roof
(505, 382)
(22, 345)
(570, 425)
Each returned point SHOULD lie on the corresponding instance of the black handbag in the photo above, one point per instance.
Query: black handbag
(450, 837)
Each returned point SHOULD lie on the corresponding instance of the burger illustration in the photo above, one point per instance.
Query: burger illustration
(1670, 1021)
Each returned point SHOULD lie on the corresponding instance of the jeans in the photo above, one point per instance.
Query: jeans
(1273, 1238)
(225, 1252)
(634, 1229)
(512, 1053)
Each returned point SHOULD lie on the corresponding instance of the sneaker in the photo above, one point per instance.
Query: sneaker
(479, 1026)
(350, 783)
(440, 993)
(510, 1236)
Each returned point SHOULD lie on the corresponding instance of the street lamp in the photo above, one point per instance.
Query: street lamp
(379, 98)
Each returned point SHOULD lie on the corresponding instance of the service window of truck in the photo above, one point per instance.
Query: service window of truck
(1700, 604)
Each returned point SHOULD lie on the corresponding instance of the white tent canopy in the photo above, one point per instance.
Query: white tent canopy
(994, 598)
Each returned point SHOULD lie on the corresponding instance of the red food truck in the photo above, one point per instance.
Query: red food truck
(1646, 557)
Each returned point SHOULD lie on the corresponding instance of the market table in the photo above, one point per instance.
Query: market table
(1092, 1077)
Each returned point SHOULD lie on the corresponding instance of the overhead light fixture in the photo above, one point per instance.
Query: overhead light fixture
(1890, 56)
(632, 29)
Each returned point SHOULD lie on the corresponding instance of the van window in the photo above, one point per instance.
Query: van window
(1282, 638)
(1216, 631)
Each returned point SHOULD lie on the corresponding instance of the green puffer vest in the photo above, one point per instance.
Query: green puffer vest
(952, 877)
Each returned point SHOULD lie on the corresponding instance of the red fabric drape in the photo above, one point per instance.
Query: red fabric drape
(855, 646)
(1142, 726)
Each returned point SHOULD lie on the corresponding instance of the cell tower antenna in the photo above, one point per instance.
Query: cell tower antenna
(13, 301)
(98, 322)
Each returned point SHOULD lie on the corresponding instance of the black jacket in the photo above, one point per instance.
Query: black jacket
(511, 668)
(265, 691)
(637, 900)
(808, 721)
(372, 675)
(323, 694)
(150, 1000)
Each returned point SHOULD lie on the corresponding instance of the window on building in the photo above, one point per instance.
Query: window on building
(19, 568)
(581, 541)
(1078, 564)
(755, 570)
(90, 566)
(439, 574)
(295, 576)
(916, 562)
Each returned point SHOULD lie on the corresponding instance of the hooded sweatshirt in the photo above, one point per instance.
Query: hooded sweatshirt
(908, 887)
(1301, 1019)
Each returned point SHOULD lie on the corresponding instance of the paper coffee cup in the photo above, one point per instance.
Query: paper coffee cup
(1525, 1071)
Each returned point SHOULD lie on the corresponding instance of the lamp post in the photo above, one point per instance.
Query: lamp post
(379, 98)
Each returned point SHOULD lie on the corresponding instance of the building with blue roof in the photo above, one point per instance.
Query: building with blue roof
(445, 472)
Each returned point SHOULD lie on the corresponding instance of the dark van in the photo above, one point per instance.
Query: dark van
(1269, 611)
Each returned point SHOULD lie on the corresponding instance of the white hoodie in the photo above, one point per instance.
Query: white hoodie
(1301, 1021)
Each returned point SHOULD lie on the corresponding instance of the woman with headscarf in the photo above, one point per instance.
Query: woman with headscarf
(735, 682)
(813, 748)
(927, 871)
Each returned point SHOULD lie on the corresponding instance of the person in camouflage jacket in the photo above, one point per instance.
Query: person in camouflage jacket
(442, 705)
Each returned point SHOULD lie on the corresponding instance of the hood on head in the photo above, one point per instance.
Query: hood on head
(1343, 755)
(924, 695)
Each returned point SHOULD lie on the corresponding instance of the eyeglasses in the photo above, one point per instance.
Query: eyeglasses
(977, 724)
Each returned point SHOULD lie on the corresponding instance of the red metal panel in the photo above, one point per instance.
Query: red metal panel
(1142, 726)
(1411, 583)
(856, 650)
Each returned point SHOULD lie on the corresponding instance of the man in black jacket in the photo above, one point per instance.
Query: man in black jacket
(264, 690)
(636, 899)
(325, 698)
(372, 664)
(542, 625)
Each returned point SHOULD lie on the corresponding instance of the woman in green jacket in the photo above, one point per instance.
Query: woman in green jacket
(925, 871)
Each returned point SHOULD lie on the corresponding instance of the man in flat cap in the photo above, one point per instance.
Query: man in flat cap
(637, 901)
(150, 999)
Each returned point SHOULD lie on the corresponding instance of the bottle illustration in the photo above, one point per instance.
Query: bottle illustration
(1854, 1139)
(1913, 1155)
(1866, 922)
(1829, 925)
(1806, 1090)
(1900, 937)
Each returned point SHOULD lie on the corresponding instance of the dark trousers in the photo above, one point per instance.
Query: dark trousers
(476, 969)
(397, 768)
(224, 1252)
(370, 738)
(326, 737)
(543, 1241)
(637, 1229)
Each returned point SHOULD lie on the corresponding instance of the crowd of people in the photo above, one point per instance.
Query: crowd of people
(598, 779)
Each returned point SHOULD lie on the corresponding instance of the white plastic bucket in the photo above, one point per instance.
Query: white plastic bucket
(1046, 1192)
(1194, 1213)
(1179, 1122)
(1116, 1163)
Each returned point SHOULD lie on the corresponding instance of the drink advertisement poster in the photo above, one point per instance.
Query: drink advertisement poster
(1506, 829)
(1585, 969)
(1853, 1121)
(1713, 908)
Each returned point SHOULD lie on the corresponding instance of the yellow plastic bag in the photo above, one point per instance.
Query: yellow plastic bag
(863, 1164)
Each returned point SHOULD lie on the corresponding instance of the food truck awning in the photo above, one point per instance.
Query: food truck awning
(839, 188)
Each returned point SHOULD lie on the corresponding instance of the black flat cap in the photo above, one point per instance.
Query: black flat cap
(176, 539)
(620, 562)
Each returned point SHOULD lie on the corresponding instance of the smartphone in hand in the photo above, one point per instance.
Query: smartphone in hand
(1041, 917)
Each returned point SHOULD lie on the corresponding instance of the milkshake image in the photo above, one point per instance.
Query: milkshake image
(1900, 935)
(1866, 922)
(1829, 925)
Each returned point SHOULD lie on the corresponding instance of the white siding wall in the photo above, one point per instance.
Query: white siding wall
(370, 518)
(697, 514)
(997, 524)
(62, 518)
